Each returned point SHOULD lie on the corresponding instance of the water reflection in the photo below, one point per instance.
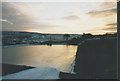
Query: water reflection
(57, 56)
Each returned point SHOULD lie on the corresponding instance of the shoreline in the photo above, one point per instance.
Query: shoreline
(93, 60)
(34, 44)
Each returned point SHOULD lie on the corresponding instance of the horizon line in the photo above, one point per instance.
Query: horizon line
(63, 33)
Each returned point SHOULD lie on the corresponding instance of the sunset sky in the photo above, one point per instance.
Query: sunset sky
(60, 17)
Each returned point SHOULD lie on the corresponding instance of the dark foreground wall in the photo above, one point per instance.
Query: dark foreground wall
(9, 68)
(97, 59)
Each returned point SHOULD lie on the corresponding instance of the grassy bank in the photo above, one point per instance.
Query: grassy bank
(97, 59)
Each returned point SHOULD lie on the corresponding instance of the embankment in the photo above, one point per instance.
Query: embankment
(9, 68)
(95, 59)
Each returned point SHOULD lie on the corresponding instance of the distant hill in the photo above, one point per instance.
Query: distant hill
(20, 37)
(18, 32)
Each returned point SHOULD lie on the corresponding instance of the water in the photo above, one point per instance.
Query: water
(56, 56)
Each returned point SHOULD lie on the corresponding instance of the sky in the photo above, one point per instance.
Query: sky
(60, 17)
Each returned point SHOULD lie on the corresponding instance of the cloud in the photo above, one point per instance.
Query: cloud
(103, 13)
(72, 17)
(6, 21)
(110, 29)
(112, 24)
(14, 19)
(12, 14)
(106, 9)
(107, 4)
(28, 27)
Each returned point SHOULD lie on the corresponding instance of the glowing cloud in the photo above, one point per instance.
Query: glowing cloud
(58, 17)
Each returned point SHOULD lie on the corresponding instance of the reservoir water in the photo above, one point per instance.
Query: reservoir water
(57, 56)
